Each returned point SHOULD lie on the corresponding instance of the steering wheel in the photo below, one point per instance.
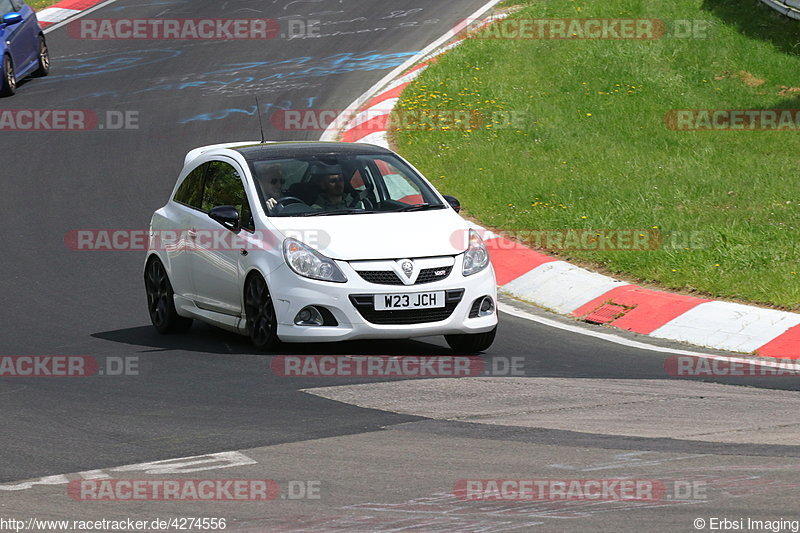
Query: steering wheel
(361, 197)
(289, 200)
(282, 203)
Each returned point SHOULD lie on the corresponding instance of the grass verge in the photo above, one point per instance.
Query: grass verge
(38, 5)
(597, 154)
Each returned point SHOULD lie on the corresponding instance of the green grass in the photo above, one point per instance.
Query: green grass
(41, 4)
(597, 154)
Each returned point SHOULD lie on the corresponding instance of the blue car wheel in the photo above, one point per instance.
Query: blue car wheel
(8, 84)
(44, 58)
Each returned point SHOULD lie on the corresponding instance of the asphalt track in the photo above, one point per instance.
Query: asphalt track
(206, 391)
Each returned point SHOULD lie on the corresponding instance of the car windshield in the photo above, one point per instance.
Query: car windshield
(335, 185)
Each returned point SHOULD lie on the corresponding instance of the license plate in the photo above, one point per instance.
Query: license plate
(416, 300)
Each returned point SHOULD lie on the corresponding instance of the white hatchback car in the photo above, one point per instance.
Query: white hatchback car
(315, 242)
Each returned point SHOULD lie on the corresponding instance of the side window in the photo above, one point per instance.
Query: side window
(190, 191)
(400, 187)
(17, 5)
(6, 7)
(223, 186)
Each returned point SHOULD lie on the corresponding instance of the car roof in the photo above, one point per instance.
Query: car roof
(281, 150)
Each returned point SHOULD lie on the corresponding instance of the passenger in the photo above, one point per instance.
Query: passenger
(331, 182)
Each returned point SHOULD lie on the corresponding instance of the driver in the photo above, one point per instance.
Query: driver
(272, 181)
(331, 183)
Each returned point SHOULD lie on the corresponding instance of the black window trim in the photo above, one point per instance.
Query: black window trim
(202, 188)
(232, 162)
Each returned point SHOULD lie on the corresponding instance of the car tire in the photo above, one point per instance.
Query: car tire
(260, 317)
(8, 83)
(44, 58)
(161, 300)
(471, 343)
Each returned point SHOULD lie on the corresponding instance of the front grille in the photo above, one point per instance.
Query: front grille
(428, 275)
(387, 277)
(365, 306)
(381, 277)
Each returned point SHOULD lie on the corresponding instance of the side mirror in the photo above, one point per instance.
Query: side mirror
(9, 19)
(227, 215)
(454, 203)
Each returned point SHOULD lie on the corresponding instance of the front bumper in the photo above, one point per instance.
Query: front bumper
(350, 305)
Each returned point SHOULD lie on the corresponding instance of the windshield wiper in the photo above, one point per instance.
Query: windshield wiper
(420, 207)
(337, 212)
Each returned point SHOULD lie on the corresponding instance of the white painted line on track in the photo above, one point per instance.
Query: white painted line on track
(179, 465)
(609, 337)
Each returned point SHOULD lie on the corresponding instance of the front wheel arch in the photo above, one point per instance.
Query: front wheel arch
(261, 319)
(161, 298)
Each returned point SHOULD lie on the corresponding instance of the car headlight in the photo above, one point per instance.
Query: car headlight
(476, 258)
(309, 263)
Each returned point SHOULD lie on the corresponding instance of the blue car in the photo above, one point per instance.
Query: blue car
(22, 45)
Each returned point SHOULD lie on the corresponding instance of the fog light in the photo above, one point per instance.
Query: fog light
(309, 316)
(487, 306)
